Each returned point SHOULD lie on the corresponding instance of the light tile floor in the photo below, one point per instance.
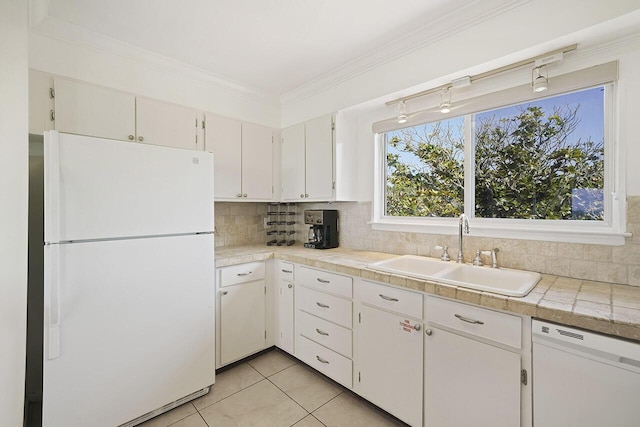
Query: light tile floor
(274, 390)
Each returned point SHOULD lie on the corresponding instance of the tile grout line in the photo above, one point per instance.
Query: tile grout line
(234, 393)
(291, 398)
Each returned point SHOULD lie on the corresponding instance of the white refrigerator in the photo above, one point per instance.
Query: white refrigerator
(128, 280)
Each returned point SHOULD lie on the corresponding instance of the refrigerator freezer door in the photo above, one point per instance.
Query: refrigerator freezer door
(99, 189)
(136, 328)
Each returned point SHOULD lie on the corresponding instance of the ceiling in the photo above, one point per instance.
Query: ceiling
(270, 46)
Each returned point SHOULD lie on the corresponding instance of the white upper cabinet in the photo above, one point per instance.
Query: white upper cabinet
(257, 162)
(85, 109)
(40, 102)
(243, 163)
(308, 161)
(293, 163)
(161, 123)
(223, 137)
(319, 158)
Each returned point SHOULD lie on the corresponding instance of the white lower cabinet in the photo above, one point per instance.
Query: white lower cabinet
(471, 378)
(242, 311)
(427, 360)
(285, 293)
(389, 350)
(323, 324)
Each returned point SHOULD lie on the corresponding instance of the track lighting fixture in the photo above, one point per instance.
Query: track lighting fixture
(445, 100)
(540, 79)
(402, 112)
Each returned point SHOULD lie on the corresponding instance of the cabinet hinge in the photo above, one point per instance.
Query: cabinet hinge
(265, 334)
(359, 378)
(52, 115)
(52, 93)
(359, 317)
(523, 376)
(203, 125)
(196, 139)
(333, 185)
(333, 126)
(265, 290)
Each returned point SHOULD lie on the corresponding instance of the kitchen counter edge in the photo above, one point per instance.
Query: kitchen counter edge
(608, 308)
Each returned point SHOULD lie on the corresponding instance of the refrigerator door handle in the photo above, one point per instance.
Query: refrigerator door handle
(51, 188)
(52, 300)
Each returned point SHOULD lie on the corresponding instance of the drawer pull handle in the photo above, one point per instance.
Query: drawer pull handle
(290, 286)
(322, 305)
(326, 334)
(386, 298)
(472, 321)
(321, 360)
(417, 327)
(244, 274)
(287, 271)
(322, 280)
(225, 292)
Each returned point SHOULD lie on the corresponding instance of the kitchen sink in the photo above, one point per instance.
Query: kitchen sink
(412, 265)
(503, 281)
(498, 280)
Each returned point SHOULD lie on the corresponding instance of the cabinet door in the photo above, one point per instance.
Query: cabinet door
(242, 320)
(469, 383)
(161, 123)
(40, 102)
(85, 109)
(285, 313)
(319, 158)
(257, 162)
(223, 138)
(389, 363)
(293, 163)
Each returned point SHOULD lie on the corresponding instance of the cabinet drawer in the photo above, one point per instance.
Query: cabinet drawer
(500, 327)
(326, 333)
(330, 363)
(285, 271)
(241, 273)
(325, 281)
(328, 307)
(394, 299)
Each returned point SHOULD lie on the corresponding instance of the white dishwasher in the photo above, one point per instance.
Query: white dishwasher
(584, 379)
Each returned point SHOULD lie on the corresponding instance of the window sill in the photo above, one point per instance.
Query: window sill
(449, 226)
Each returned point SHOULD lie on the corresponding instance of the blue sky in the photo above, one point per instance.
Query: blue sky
(590, 113)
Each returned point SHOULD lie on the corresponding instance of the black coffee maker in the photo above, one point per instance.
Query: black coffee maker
(323, 233)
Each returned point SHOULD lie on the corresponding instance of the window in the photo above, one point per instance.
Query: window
(425, 170)
(540, 166)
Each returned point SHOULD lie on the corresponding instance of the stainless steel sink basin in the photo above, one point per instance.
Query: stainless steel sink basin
(503, 281)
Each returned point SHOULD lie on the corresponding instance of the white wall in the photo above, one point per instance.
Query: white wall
(142, 73)
(364, 95)
(626, 51)
(531, 28)
(14, 174)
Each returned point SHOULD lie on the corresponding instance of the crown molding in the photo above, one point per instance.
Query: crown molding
(74, 35)
(444, 27)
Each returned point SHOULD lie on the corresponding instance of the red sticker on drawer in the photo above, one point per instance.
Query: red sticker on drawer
(405, 325)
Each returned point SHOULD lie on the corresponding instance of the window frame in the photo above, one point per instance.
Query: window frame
(610, 231)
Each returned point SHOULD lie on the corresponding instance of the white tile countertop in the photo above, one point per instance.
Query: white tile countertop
(598, 306)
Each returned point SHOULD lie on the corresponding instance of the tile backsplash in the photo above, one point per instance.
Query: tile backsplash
(243, 223)
(614, 264)
(240, 223)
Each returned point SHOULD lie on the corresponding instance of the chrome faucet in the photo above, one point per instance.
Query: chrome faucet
(463, 224)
